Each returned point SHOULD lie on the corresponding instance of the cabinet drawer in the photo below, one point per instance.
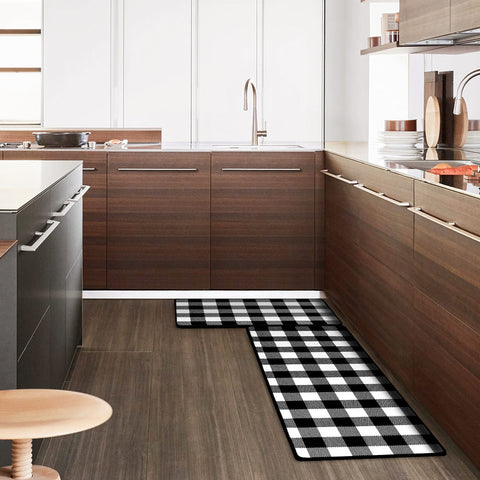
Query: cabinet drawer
(447, 268)
(449, 205)
(263, 229)
(395, 186)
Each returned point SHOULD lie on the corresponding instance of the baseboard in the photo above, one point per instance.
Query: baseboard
(174, 294)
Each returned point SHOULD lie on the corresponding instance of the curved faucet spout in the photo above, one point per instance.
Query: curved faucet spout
(255, 132)
(457, 109)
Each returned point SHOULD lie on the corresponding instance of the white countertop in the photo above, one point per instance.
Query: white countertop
(21, 181)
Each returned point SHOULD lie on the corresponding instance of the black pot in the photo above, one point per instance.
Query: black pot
(61, 139)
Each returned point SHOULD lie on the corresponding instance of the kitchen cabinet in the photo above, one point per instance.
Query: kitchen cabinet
(77, 35)
(262, 224)
(447, 319)
(465, 15)
(421, 20)
(226, 56)
(94, 209)
(158, 221)
(157, 86)
(369, 257)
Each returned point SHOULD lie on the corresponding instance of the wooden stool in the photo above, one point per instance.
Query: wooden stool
(28, 414)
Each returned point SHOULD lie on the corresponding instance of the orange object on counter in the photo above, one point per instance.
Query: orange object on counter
(445, 169)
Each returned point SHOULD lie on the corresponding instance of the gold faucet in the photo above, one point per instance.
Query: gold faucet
(255, 132)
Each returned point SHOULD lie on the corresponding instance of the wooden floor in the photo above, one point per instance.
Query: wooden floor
(191, 404)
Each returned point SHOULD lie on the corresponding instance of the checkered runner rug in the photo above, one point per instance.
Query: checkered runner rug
(333, 401)
(245, 313)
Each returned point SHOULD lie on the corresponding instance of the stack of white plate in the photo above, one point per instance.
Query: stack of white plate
(473, 139)
(400, 145)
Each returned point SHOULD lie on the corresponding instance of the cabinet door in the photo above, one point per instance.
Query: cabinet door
(292, 49)
(421, 20)
(447, 372)
(158, 221)
(157, 63)
(94, 209)
(33, 272)
(369, 265)
(76, 63)
(263, 221)
(465, 15)
(226, 49)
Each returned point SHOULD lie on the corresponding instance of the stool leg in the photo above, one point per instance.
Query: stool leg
(21, 459)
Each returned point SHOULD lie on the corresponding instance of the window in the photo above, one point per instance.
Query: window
(20, 62)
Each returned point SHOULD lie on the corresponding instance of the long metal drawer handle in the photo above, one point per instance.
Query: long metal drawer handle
(66, 207)
(363, 188)
(157, 169)
(449, 225)
(238, 169)
(89, 169)
(83, 190)
(42, 237)
(339, 177)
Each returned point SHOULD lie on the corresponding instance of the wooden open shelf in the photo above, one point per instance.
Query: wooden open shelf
(20, 69)
(20, 31)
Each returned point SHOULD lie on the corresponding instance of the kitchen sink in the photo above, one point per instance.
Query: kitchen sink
(257, 147)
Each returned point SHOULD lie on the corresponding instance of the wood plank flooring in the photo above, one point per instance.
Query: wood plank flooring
(191, 404)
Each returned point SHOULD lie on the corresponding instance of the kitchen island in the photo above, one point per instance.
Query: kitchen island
(40, 273)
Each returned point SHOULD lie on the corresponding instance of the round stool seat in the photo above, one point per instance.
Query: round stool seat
(27, 414)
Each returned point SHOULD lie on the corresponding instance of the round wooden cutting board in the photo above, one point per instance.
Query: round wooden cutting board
(460, 126)
(432, 121)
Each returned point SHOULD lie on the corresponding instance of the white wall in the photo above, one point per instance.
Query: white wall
(460, 65)
(347, 72)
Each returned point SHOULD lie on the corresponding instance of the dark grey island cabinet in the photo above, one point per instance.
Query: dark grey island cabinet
(41, 322)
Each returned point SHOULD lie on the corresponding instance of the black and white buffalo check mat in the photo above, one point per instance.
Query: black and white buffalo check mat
(333, 401)
(245, 313)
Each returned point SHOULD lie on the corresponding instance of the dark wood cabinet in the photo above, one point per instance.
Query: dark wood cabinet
(158, 221)
(447, 318)
(423, 19)
(465, 15)
(94, 208)
(369, 258)
(262, 224)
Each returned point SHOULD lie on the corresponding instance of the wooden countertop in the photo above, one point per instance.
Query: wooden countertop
(5, 246)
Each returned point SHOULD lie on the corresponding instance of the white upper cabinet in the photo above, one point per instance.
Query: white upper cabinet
(226, 49)
(293, 46)
(157, 66)
(76, 65)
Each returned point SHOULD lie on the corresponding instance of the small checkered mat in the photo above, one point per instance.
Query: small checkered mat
(332, 399)
(245, 313)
